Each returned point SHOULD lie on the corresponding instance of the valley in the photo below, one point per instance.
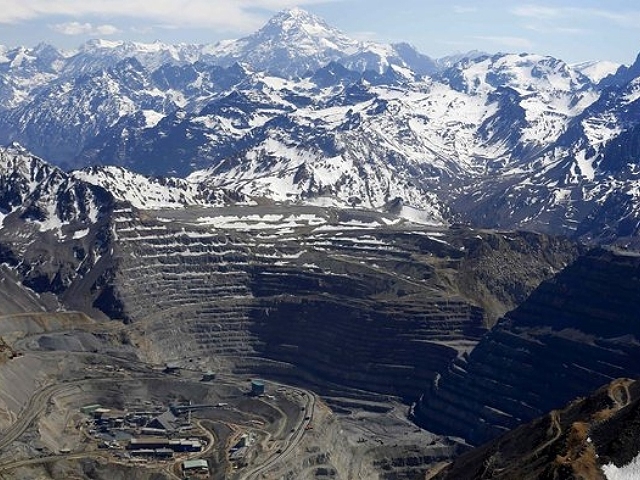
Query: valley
(571, 335)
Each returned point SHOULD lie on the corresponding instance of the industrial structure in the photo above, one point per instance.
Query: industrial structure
(197, 467)
(257, 387)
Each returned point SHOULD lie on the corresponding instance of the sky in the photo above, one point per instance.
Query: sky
(574, 31)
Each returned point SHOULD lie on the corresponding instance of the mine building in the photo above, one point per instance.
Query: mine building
(109, 421)
(89, 409)
(208, 376)
(136, 419)
(182, 445)
(242, 442)
(257, 387)
(239, 454)
(196, 467)
(186, 445)
(160, 453)
(153, 431)
(171, 368)
(149, 443)
(165, 421)
(100, 412)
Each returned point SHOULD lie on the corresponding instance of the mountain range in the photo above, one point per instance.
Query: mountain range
(299, 112)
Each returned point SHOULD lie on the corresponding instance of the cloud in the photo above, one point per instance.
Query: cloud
(77, 28)
(626, 19)
(546, 29)
(365, 36)
(227, 15)
(571, 30)
(509, 42)
(538, 12)
(464, 9)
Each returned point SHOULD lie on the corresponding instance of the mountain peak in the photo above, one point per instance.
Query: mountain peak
(298, 21)
(295, 12)
(291, 43)
(295, 42)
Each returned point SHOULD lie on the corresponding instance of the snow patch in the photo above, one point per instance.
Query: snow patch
(628, 472)
(598, 70)
(80, 234)
(280, 223)
(586, 166)
(152, 118)
(420, 217)
(147, 193)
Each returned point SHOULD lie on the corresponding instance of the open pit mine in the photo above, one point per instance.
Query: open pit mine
(346, 316)
(309, 343)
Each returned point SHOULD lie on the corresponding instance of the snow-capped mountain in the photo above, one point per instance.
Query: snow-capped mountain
(101, 54)
(291, 43)
(294, 43)
(51, 200)
(42, 198)
(597, 71)
(54, 228)
(66, 115)
(24, 71)
(537, 96)
(448, 61)
(299, 112)
(154, 193)
(584, 184)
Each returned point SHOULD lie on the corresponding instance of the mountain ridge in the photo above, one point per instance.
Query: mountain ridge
(502, 140)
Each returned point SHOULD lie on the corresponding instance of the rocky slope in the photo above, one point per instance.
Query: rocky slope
(15, 298)
(574, 333)
(53, 226)
(594, 437)
(56, 228)
(255, 289)
(258, 289)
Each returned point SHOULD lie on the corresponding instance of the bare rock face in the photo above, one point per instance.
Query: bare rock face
(359, 312)
(579, 441)
(573, 334)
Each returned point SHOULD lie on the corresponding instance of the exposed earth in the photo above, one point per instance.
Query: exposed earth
(66, 362)
(349, 318)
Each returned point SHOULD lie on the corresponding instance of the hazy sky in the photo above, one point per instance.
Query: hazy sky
(572, 30)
